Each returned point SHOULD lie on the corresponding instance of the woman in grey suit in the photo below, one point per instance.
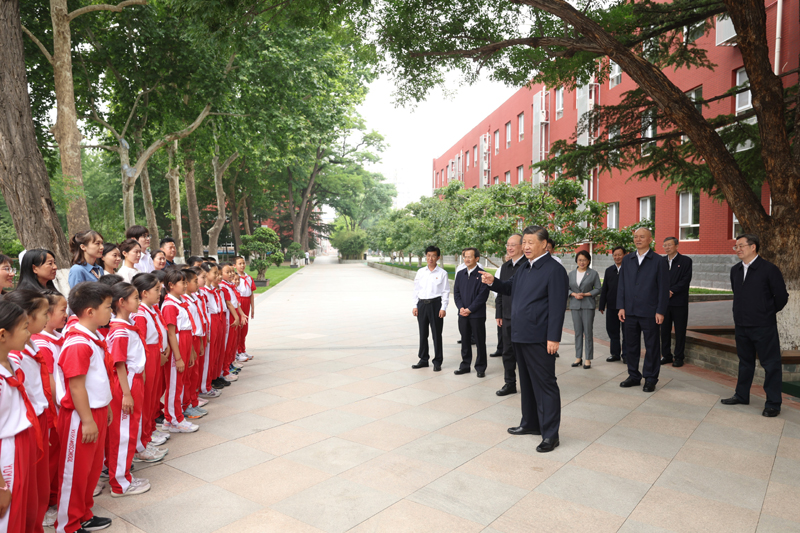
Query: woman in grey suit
(584, 287)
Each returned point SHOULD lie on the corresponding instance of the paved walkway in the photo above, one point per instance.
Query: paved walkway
(329, 429)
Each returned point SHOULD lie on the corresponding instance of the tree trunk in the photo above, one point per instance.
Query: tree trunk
(23, 175)
(235, 223)
(194, 211)
(66, 130)
(305, 228)
(147, 195)
(174, 179)
(128, 184)
(248, 215)
(219, 189)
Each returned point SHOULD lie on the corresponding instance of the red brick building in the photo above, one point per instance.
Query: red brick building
(502, 146)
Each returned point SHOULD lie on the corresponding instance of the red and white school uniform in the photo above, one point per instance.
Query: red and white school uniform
(80, 464)
(245, 289)
(232, 339)
(19, 451)
(126, 345)
(50, 348)
(37, 385)
(198, 334)
(176, 313)
(215, 347)
(149, 321)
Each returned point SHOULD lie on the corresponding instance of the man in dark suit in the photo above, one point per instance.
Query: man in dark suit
(759, 293)
(502, 305)
(680, 277)
(642, 297)
(470, 296)
(539, 288)
(608, 298)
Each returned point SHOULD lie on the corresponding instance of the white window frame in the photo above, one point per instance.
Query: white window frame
(649, 128)
(744, 101)
(734, 225)
(559, 103)
(521, 125)
(612, 215)
(726, 32)
(466, 158)
(508, 177)
(508, 134)
(647, 207)
(615, 77)
(686, 220)
(496, 142)
(690, 34)
(494, 180)
(475, 151)
(520, 174)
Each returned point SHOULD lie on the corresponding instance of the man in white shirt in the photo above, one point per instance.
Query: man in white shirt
(431, 296)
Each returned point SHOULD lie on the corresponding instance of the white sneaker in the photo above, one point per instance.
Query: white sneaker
(230, 378)
(149, 455)
(50, 517)
(133, 489)
(241, 357)
(213, 393)
(156, 450)
(249, 357)
(157, 441)
(139, 481)
(98, 488)
(183, 427)
(161, 434)
(237, 364)
(201, 402)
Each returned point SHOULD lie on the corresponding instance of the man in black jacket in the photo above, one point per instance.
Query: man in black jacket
(642, 296)
(608, 298)
(759, 293)
(680, 277)
(470, 296)
(502, 305)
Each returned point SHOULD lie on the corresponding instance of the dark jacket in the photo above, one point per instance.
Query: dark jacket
(680, 277)
(470, 292)
(540, 300)
(503, 303)
(608, 294)
(758, 297)
(643, 289)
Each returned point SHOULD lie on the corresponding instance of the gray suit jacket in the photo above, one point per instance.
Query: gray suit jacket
(590, 283)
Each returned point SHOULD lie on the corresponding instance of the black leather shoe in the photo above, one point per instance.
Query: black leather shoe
(630, 382)
(459, 341)
(649, 386)
(481, 374)
(557, 355)
(547, 445)
(437, 368)
(666, 361)
(769, 412)
(495, 354)
(420, 365)
(519, 430)
(612, 358)
(96, 523)
(461, 371)
(508, 388)
(624, 360)
(733, 400)
(579, 363)
(677, 363)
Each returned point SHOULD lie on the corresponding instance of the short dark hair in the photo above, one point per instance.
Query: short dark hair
(160, 275)
(552, 243)
(88, 295)
(27, 299)
(618, 248)
(585, 254)
(137, 232)
(751, 239)
(474, 251)
(165, 240)
(673, 239)
(121, 291)
(108, 247)
(188, 274)
(194, 259)
(144, 281)
(436, 249)
(10, 315)
(128, 245)
(236, 258)
(109, 280)
(172, 277)
(539, 231)
(208, 265)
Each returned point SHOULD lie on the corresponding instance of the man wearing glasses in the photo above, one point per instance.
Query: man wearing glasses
(759, 293)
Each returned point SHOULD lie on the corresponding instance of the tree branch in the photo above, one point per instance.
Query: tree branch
(38, 43)
(136, 104)
(533, 42)
(104, 7)
(102, 146)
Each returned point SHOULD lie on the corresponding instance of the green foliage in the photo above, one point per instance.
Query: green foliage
(295, 251)
(263, 247)
(350, 243)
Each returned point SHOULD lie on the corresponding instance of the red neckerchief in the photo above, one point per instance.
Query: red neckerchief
(30, 413)
(204, 310)
(109, 362)
(155, 315)
(48, 392)
(199, 312)
(129, 327)
(185, 306)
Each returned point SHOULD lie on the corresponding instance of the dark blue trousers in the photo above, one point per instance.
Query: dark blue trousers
(765, 342)
(540, 396)
(637, 327)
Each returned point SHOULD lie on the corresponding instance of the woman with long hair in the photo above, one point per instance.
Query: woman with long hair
(38, 270)
(111, 259)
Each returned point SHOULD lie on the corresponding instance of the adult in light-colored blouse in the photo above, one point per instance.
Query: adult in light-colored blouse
(584, 287)
(131, 252)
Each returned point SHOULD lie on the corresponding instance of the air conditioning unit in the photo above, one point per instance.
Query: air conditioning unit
(543, 116)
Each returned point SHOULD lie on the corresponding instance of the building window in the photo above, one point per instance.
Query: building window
(743, 100)
(612, 216)
(520, 174)
(726, 33)
(693, 32)
(508, 177)
(649, 129)
(508, 134)
(475, 151)
(466, 158)
(494, 180)
(615, 78)
(559, 103)
(613, 133)
(647, 209)
(496, 142)
(521, 124)
(689, 216)
(737, 228)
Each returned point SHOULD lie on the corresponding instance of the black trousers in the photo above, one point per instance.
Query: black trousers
(636, 326)
(765, 342)
(540, 396)
(428, 317)
(613, 329)
(499, 339)
(509, 356)
(468, 327)
(679, 316)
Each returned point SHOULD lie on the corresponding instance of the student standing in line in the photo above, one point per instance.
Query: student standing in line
(247, 301)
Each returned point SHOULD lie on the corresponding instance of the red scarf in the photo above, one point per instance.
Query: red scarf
(109, 362)
(156, 317)
(48, 392)
(30, 414)
(129, 327)
(199, 312)
(184, 305)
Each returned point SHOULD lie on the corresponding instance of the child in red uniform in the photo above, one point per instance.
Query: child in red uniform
(235, 319)
(247, 301)
(37, 385)
(83, 392)
(20, 435)
(213, 383)
(191, 404)
(179, 332)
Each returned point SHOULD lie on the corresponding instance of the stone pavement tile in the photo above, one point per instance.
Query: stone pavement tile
(282, 439)
(666, 425)
(381, 434)
(409, 395)
(295, 389)
(165, 482)
(364, 372)
(471, 497)
(458, 404)
(409, 517)
(395, 474)
(772, 524)
(511, 468)
(331, 380)
(695, 514)
(594, 411)
(249, 401)
(736, 460)
(393, 366)
(291, 410)
(265, 381)
(331, 366)
(660, 407)
(333, 398)
(605, 492)
(335, 505)
(613, 399)
(298, 373)
(502, 414)
(567, 449)
(442, 450)
(789, 448)
(368, 387)
(640, 440)
(476, 430)
(334, 455)
(485, 394)
(219, 461)
(582, 429)
(737, 437)
(402, 378)
(332, 422)
(632, 526)
(422, 418)
(375, 408)
(181, 444)
(541, 512)
(199, 510)
(791, 430)
(750, 422)
(268, 520)
(272, 481)
(238, 425)
(678, 394)
(442, 386)
(786, 471)
(118, 525)
(714, 484)
(631, 465)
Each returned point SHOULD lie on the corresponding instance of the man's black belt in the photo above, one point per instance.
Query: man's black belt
(430, 300)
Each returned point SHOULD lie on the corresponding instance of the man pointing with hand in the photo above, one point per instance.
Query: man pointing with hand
(539, 289)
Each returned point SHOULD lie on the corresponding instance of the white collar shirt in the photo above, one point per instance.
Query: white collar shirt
(13, 417)
(429, 284)
(33, 376)
(746, 266)
(641, 257)
(145, 263)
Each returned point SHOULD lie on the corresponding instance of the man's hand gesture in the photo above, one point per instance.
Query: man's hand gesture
(487, 278)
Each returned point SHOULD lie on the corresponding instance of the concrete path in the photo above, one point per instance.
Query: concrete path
(329, 429)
